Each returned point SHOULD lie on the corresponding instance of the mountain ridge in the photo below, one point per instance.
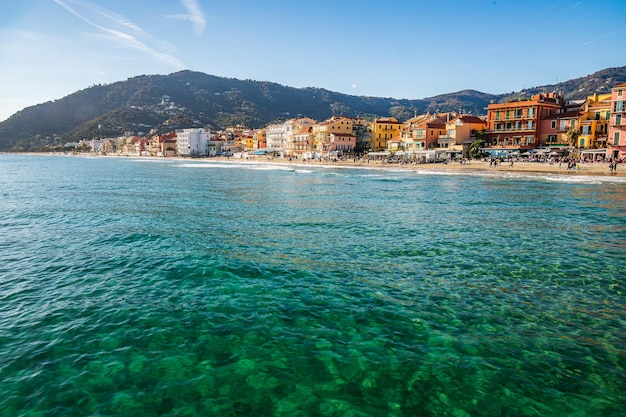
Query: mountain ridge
(193, 99)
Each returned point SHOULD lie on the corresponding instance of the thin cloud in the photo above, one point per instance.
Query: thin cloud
(602, 37)
(126, 39)
(194, 14)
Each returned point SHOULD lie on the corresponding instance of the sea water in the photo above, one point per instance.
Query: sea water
(142, 287)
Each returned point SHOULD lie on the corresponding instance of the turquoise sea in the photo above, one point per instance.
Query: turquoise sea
(141, 287)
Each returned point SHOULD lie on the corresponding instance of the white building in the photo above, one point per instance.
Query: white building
(193, 142)
(275, 138)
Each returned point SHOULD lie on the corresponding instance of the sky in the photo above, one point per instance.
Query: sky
(403, 49)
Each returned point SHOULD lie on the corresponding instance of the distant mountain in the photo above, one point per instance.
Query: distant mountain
(187, 99)
(599, 82)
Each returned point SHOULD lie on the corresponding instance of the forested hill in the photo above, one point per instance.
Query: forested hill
(188, 99)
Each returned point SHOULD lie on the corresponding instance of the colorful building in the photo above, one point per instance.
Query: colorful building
(460, 133)
(302, 143)
(616, 144)
(554, 128)
(514, 126)
(383, 130)
(336, 126)
(594, 122)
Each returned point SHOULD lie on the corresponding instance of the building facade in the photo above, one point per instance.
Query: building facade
(514, 126)
(383, 130)
(616, 143)
(193, 142)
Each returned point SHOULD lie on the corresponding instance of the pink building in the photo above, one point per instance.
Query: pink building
(616, 144)
(342, 143)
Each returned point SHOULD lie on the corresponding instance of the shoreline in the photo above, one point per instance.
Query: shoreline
(595, 169)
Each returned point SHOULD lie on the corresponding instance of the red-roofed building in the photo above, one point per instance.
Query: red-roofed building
(163, 145)
(460, 134)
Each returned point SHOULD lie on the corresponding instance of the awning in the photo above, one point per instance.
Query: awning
(594, 151)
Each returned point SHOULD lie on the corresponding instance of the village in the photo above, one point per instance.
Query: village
(544, 125)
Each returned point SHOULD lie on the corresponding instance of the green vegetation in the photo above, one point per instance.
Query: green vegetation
(185, 99)
(474, 149)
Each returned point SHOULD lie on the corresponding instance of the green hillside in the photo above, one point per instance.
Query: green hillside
(187, 99)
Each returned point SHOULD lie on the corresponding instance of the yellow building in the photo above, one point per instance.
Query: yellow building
(335, 125)
(383, 130)
(594, 122)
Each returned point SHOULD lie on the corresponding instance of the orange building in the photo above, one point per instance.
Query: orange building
(515, 125)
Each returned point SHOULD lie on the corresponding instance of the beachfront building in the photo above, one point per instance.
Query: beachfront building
(362, 130)
(260, 139)
(302, 143)
(341, 143)
(383, 130)
(193, 142)
(459, 134)
(293, 127)
(594, 122)
(427, 133)
(163, 145)
(275, 137)
(554, 128)
(109, 146)
(616, 144)
(409, 134)
(334, 126)
(514, 126)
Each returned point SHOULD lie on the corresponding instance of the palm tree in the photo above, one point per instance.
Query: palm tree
(572, 138)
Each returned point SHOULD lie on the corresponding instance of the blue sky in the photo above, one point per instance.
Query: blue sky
(402, 49)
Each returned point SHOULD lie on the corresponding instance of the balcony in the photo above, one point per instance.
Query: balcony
(512, 129)
(516, 117)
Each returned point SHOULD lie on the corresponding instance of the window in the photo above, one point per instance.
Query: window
(616, 139)
(618, 106)
(531, 124)
(531, 112)
(497, 115)
(619, 93)
(618, 120)
(553, 124)
(508, 114)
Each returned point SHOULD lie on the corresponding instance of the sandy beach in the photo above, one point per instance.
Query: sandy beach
(520, 167)
(601, 169)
